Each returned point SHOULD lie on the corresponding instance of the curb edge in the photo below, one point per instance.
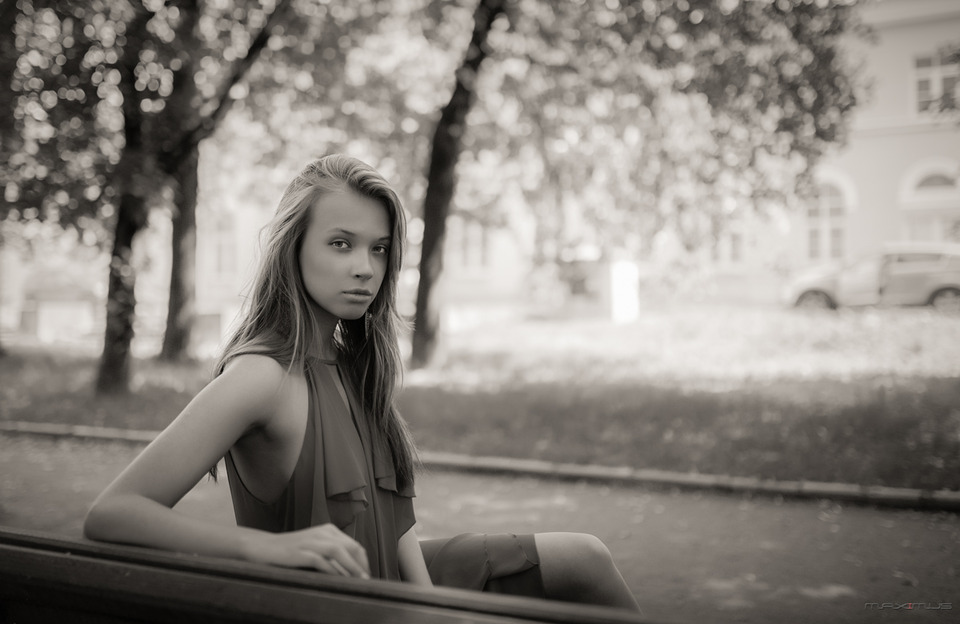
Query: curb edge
(881, 496)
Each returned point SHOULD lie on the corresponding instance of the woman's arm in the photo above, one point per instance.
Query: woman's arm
(412, 567)
(137, 507)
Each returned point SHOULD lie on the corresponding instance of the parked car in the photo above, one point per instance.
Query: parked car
(902, 274)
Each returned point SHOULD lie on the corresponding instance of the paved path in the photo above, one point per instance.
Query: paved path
(689, 557)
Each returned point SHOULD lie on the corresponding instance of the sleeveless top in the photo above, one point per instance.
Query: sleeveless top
(344, 475)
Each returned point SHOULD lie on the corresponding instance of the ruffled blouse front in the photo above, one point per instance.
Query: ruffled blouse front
(350, 482)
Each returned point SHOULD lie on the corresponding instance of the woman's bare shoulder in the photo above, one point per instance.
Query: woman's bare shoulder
(260, 383)
(256, 364)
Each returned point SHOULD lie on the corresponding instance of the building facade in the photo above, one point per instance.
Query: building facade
(896, 179)
(899, 176)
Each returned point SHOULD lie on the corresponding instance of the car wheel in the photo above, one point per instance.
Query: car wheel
(946, 301)
(815, 300)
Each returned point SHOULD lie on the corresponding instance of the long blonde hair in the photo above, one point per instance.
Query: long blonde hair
(279, 320)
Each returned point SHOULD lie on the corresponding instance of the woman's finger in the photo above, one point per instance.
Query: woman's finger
(321, 563)
(359, 554)
(338, 568)
(344, 549)
(352, 567)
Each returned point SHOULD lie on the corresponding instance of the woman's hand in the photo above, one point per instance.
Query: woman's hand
(325, 548)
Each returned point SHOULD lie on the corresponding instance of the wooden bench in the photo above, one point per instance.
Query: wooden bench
(46, 578)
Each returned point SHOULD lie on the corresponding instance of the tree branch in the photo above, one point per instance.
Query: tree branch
(207, 124)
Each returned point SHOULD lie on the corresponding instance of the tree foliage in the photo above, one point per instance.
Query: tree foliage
(612, 120)
(109, 98)
(621, 119)
(63, 102)
(640, 115)
(65, 93)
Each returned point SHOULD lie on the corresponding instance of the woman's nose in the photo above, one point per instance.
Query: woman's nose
(363, 267)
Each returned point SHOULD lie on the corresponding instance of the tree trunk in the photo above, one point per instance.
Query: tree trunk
(133, 177)
(114, 374)
(8, 134)
(441, 183)
(179, 115)
(181, 305)
(9, 138)
(179, 158)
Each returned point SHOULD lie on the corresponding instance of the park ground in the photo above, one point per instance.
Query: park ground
(867, 397)
(688, 556)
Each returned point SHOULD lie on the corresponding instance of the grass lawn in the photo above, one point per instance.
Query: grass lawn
(869, 397)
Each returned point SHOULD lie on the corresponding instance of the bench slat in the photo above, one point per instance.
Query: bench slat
(47, 578)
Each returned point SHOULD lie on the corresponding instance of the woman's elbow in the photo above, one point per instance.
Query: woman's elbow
(102, 520)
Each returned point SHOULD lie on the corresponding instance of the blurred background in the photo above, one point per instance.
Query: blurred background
(614, 208)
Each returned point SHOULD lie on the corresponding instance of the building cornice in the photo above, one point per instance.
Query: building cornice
(884, 13)
(905, 127)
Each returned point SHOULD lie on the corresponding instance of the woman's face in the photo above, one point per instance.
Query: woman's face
(345, 252)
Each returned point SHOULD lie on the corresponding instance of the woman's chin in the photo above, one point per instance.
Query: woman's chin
(353, 315)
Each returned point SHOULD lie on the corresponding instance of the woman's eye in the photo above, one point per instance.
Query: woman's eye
(381, 249)
(340, 244)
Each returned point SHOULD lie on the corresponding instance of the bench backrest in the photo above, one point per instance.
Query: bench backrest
(45, 578)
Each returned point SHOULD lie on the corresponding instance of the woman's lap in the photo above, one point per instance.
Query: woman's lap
(498, 562)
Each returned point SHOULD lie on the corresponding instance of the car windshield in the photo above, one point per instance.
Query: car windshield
(861, 263)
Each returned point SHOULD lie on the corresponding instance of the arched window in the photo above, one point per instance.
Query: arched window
(930, 200)
(825, 224)
(938, 181)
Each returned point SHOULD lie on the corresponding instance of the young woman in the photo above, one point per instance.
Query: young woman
(320, 464)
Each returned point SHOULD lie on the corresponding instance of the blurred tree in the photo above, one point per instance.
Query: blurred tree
(57, 140)
(619, 119)
(196, 113)
(441, 182)
(367, 78)
(183, 121)
(8, 53)
(8, 134)
(627, 117)
(181, 108)
(60, 116)
(680, 114)
(135, 180)
(102, 125)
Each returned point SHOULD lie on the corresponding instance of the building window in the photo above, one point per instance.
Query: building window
(932, 204)
(915, 258)
(825, 224)
(937, 77)
(836, 242)
(813, 244)
(952, 228)
(938, 182)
